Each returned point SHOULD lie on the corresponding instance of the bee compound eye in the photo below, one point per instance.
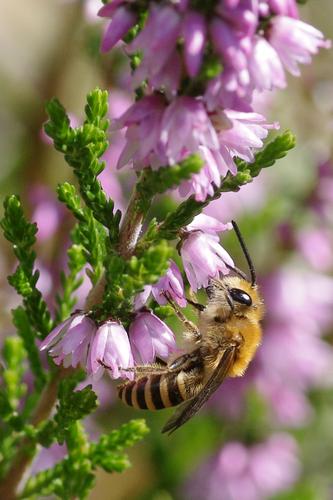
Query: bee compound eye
(240, 296)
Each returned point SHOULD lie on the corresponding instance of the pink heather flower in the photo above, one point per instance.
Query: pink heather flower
(150, 337)
(265, 66)
(239, 134)
(228, 91)
(112, 347)
(194, 29)
(284, 7)
(203, 256)
(202, 183)
(189, 116)
(247, 473)
(157, 41)
(172, 283)
(143, 122)
(122, 20)
(242, 15)
(295, 42)
(68, 343)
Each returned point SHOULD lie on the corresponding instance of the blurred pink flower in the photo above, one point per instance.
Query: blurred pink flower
(111, 346)
(203, 256)
(48, 457)
(290, 292)
(295, 42)
(68, 343)
(150, 337)
(122, 20)
(284, 7)
(247, 473)
(48, 213)
(317, 247)
(194, 29)
(265, 66)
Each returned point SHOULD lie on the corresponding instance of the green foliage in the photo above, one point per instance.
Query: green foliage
(158, 181)
(108, 452)
(187, 210)
(82, 148)
(28, 335)
(89, 235)
(13, 388)
(71, 281)
(22, 234)
(74, 476)
(73, 405)
(124, 279)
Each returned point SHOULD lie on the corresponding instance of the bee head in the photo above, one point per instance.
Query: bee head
(233, 295)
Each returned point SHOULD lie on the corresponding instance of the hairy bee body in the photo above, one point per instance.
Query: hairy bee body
(221, 345)
(221, 328)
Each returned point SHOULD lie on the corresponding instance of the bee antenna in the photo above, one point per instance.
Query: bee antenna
(246, 253)
(237, 271)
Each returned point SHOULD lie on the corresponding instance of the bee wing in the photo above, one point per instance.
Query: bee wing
(190, 408)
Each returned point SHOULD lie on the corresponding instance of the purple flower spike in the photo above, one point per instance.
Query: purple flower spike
(122, 20)
(112, 347)
(203, 256)
(69, 342)
(194, 36)
(150, 337)
(172, 283)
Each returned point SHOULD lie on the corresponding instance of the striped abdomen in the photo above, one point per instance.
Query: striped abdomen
(154, 392)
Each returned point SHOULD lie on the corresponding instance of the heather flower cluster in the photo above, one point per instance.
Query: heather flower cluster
(80, 341)
(202, 67)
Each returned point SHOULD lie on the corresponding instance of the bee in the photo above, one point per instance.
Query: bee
(221, 345)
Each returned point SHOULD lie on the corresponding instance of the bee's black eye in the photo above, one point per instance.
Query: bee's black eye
(240, 296)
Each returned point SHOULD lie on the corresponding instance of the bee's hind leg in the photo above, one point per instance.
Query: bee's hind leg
(140, 370)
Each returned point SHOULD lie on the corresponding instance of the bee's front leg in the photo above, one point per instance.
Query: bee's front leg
(192, 329)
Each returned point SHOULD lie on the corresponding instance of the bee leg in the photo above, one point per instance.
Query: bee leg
(186, 362)
(139, 369)
(196, 305)
(147, 369)
(191, 327)
(193, 300)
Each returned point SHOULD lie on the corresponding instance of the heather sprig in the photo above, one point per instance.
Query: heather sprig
(82, 147)
(22, 235)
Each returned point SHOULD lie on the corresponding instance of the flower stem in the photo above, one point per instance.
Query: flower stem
(131, 226)
(128, 237)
